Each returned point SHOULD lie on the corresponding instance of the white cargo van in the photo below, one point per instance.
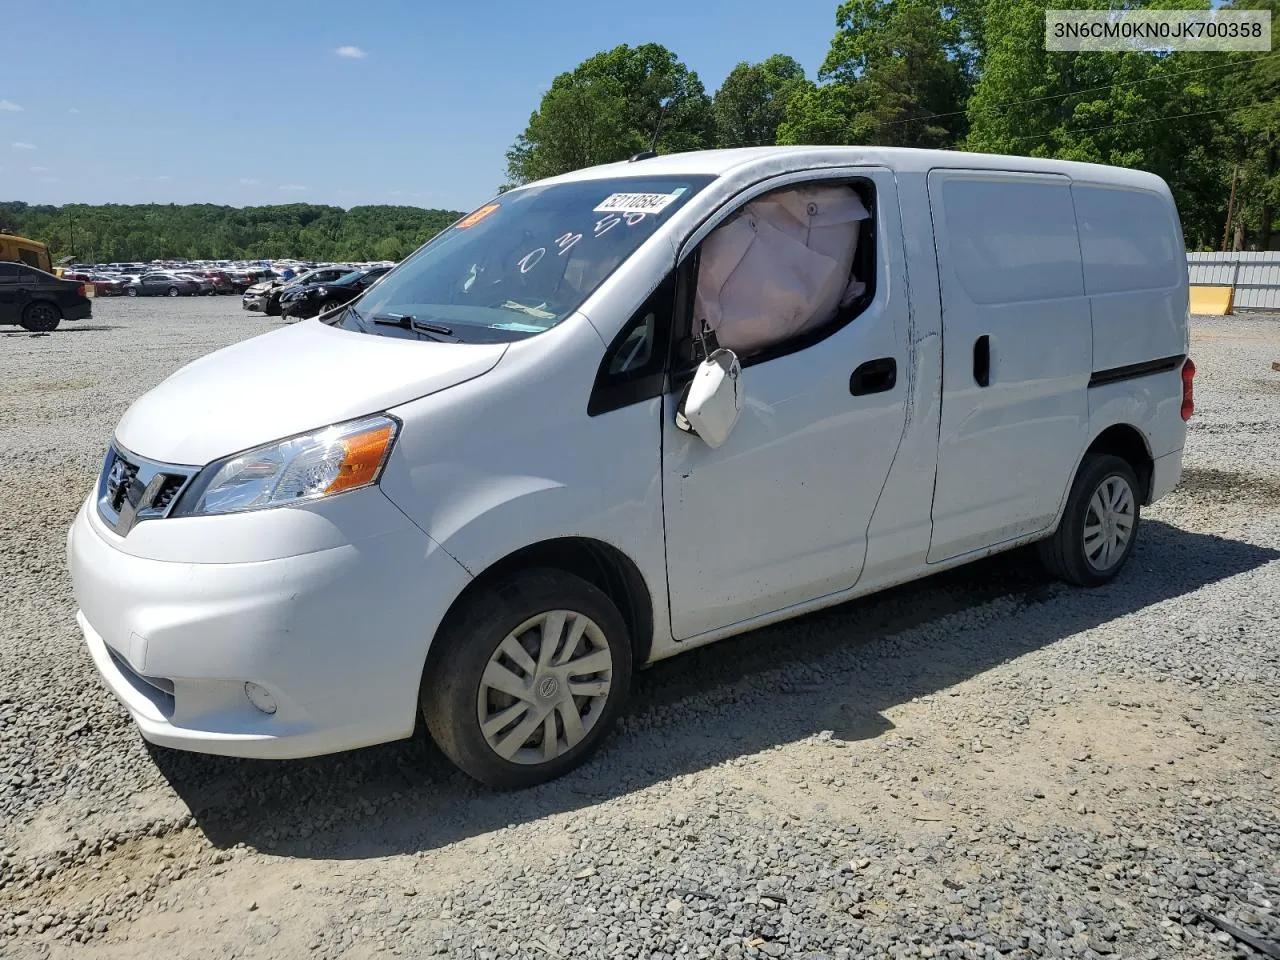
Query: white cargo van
(619, 414)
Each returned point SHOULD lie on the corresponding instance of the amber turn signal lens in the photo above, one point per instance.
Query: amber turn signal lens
(365, 453)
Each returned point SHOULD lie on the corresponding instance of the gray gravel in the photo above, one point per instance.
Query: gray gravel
(986, 764)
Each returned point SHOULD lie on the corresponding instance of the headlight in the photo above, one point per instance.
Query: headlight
(346, 456)
(320, 291)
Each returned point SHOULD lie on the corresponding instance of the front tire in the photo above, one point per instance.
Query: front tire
(41, 317)
(1099, 526)
(132, 291)
(174, 291)
(526, 678)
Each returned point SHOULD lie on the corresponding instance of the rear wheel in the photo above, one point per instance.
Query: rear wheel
(526, 679)
(41, 317)
(132, 291)
(1100, 523)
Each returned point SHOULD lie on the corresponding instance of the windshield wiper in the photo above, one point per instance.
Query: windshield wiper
(437, 331)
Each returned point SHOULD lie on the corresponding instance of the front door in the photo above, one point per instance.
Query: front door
(778, 514)
(1017, 343)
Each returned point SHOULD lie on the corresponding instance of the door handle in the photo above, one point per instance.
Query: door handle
(982, 361)
(874, 376)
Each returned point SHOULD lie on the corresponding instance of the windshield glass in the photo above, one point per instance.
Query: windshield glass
(520, 264)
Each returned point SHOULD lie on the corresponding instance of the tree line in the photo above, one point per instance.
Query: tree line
(113, 233)
(953, 74)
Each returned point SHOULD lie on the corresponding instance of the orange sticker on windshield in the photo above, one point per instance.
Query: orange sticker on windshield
(471, 219)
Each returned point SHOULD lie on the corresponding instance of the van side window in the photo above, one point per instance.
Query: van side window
(1012, 240)
(1127, 240)
(635, 365)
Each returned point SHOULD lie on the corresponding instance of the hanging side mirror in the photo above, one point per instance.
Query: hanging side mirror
(714, 400)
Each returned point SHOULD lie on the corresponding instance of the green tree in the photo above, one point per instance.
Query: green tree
(608, 108)
(752, 101)
(897, 74)
(144, 232)
(1253, 135)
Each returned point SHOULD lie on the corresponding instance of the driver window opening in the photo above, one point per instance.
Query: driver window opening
(782, 273)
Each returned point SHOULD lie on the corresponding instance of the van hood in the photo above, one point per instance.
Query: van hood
(286, 382)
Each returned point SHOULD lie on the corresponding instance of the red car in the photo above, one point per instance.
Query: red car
(222, 282)
(102, 286)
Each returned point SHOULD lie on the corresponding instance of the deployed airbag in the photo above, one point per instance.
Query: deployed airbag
(779, 267)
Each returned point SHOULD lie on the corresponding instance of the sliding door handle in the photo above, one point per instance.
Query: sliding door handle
(982, 361)
(874, 376)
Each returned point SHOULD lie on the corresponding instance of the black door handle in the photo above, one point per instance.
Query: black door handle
(982, 361)
(874, 376)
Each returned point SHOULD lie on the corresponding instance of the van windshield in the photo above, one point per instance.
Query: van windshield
(521, 263)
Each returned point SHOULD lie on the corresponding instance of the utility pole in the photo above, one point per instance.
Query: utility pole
(1231, 208)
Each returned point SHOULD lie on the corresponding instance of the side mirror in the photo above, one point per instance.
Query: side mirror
(714, 401)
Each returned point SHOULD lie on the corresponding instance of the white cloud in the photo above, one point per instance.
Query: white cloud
(164, 178)
(48, 179)
(292, 187)
(351, 53)
(73, 110)
(249, 181)
(8, 106)
(39, 169)
(395, 193)
(23, 145)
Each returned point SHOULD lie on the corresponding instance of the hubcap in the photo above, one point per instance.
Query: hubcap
(545, 687)
(1108, 524)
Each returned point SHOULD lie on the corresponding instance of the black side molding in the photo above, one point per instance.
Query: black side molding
(1135, 370)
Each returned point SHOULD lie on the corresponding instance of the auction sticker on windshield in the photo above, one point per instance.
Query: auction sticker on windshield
(471, 219)
(637, 202)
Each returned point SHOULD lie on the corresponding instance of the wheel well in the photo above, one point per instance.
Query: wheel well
(1127, 443)
(601, 565)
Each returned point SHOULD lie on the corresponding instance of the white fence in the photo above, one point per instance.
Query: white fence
(1254, 277)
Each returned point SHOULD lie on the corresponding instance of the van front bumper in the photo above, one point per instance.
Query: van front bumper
(336, 637)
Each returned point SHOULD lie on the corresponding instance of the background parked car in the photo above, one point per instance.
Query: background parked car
(162, 285)
(312, 299)
(103, 286)
(206, 285)
(265, 296)
(39, 301)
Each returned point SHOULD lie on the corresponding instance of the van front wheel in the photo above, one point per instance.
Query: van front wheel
(525, 680)
(1099, 525)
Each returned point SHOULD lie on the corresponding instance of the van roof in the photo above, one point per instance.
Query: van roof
(779, 160)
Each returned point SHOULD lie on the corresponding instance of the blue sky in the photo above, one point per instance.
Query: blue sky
(250, 103)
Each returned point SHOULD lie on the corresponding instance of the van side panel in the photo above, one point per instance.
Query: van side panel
(1135, 271)
(1017, 355)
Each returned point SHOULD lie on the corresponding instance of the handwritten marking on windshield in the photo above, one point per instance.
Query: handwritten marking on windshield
(566, 241)
(532, 259)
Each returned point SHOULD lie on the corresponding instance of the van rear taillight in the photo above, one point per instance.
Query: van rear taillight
(1188, 392)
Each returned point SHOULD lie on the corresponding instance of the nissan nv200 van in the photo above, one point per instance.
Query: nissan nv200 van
(622, 413)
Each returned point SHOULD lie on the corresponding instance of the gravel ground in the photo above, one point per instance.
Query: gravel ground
(985, 764)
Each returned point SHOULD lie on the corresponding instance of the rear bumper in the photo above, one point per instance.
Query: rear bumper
(78, 311)
(1166, 471)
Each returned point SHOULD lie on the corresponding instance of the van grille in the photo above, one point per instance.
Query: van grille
(133, 488)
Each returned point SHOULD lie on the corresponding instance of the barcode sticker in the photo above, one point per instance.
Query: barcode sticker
(636, 202)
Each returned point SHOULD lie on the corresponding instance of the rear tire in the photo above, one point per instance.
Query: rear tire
(1099, 526)
(543, 654)
(41, 317)
(132, 291)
